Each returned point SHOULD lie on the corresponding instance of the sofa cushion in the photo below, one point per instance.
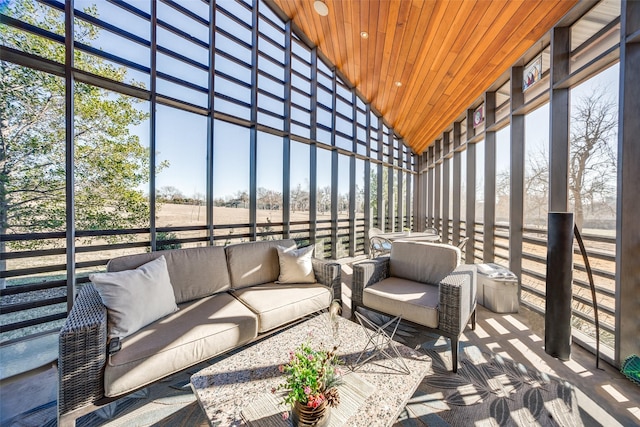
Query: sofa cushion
(254, 263)
(194, 272)
(295, 265)
(414, 301)
(200, 330)
(135, 298)
(423, 262)
(277, 304)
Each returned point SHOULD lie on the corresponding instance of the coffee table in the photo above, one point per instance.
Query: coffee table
(228, 389)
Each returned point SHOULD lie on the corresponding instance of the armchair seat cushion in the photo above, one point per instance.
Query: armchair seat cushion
(414, 301)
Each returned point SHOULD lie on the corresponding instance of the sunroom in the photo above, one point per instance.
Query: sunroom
(136, 126)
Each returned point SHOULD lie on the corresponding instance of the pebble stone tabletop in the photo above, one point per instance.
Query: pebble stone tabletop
(229, 385)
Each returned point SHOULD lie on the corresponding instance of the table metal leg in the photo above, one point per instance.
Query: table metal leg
(379, 341)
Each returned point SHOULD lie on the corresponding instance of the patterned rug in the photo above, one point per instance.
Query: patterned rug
(488, 390)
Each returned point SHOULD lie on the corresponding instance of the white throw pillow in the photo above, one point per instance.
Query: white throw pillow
(295, 265)
(135, 298)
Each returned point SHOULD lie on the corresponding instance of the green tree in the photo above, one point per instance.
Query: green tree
(374, 191)
(111, 164)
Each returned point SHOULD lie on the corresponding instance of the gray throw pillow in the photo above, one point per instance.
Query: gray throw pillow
(295, 265)
(135, 298)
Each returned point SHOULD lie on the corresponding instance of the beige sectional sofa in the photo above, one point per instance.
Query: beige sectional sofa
(226, 297)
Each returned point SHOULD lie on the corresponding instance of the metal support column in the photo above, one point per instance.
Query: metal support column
(313, 153)
(516, 201)
(334, 170)
(559, 122)
(70, 156)
(457, 187)
(253, 138)
(471, 193)
(210, 124)
(628, 226)
(437, 191)
(286, 142)
(488, 245)
(367, 183)
(446, 174)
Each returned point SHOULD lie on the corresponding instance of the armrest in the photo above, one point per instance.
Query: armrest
(82, 347)
(457, 299)
(366, 273)
(329, 274)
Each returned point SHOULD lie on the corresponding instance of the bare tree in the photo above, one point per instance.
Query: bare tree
(592, 161)
(536, 188)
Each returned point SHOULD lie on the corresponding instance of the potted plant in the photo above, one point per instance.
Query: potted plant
(312, 377)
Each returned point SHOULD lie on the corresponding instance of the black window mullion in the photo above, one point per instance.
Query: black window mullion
(178, 32)
(186, 12)
(183, 58)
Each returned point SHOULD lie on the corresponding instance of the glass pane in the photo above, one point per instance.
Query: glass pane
(181, 180)
(342, 245)
(480, 181)
(593, 152)
(386, 172)
(374, 195)
(323, 180)
(463, 187)
(299, 170)
(41, 16)
(503, 175)
(536, 202)
(269, 178)
(323, 202)
(536, 196)
(231, 159)
(33, 149)
(185, 23)
(111, 160)
(33, 173)
(593, 161)
(503, 193)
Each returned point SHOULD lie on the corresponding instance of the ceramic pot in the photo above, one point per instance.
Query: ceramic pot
(304, 416)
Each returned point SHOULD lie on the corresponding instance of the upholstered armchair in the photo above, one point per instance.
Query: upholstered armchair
(422, 282)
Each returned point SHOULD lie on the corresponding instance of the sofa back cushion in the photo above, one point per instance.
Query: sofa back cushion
(135, 298)
(255, 263)
(423, 262)
(194, 272)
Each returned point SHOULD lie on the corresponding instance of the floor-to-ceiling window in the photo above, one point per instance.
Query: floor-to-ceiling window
(593, 159)
(185, 134)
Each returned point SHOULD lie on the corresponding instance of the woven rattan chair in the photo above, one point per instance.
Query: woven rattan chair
(378, 245)
(463, 243)
(425, 284)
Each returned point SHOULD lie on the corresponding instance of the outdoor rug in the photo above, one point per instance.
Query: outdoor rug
(488, 390)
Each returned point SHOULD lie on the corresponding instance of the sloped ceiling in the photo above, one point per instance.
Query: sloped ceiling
(443, 53)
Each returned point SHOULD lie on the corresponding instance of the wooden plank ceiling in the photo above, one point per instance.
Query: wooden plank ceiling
(443, 53)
